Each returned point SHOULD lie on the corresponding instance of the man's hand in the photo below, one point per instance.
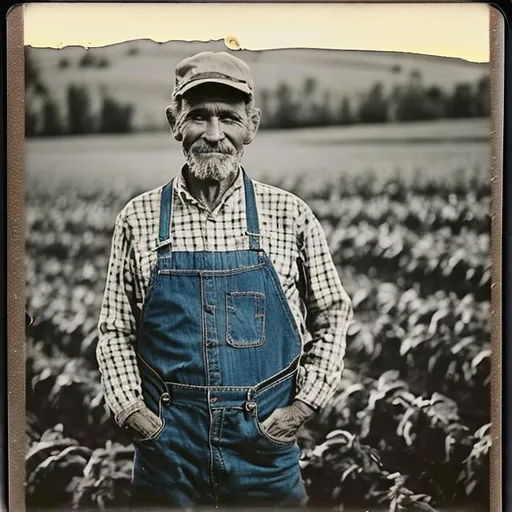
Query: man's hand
(145, 422)
(284, 422)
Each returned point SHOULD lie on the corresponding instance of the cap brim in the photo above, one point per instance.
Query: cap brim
(235, 85)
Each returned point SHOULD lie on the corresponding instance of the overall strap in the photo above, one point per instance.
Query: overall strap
(165, 214)
(251, 213)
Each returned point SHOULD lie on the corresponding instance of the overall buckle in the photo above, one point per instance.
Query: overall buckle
(251, 407)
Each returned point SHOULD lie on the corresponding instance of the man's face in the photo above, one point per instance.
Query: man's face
(214, 125)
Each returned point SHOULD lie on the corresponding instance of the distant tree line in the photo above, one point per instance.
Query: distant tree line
(285, 107)
(79, 119)
(282, 107)
(112, 117)
(89, 60)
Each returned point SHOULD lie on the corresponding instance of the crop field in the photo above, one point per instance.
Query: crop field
(408, 225)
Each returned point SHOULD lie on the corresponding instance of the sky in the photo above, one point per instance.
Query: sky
(450, 30)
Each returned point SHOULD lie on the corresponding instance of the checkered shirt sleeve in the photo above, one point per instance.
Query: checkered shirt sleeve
(329, 314)
(117, 328)
(290, 234)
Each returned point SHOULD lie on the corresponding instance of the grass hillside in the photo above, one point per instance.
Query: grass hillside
(415, 152)
(142, 72)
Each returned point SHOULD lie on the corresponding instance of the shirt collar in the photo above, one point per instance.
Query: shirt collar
(180, 186)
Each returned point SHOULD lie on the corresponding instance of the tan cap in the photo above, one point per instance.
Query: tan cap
(210, 67)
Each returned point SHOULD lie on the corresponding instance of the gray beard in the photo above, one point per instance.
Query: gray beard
(215, 167)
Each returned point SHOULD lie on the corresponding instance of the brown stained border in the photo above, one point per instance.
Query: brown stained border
(497, 79)
(16, 421)
(16, 414)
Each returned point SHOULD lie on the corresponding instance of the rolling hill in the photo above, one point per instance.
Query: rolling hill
(142, 72)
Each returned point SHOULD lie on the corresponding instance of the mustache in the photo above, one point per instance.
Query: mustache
(204, 149)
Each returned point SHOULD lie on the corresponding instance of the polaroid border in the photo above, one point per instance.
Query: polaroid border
(15, 240)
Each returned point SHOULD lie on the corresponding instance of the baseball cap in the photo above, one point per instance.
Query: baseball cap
(213, 67)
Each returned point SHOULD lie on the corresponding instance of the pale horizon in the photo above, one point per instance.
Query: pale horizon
(427, 29)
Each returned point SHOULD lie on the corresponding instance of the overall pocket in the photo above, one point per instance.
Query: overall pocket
(245, 319)
(275, 441)
(146, 437)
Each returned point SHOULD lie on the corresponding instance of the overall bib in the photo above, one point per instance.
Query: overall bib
(218, 351)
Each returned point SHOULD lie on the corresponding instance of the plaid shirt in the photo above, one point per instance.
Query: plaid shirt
(290, 233)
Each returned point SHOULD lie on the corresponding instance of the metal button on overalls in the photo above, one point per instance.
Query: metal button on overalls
(218, 337)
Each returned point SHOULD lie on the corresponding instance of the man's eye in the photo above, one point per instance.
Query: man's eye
(197, 117)
(228, 120)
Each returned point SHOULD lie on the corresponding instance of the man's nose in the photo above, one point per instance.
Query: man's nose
(214, 131)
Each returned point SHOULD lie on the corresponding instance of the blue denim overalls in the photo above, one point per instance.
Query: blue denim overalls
(218, 351)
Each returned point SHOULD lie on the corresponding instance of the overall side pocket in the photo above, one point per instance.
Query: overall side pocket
(153, 436)
(275, 441)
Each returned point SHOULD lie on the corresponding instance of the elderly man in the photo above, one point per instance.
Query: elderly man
(223, 323)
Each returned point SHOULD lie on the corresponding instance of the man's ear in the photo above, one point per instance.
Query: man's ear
(253, 125)
(170, 113)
